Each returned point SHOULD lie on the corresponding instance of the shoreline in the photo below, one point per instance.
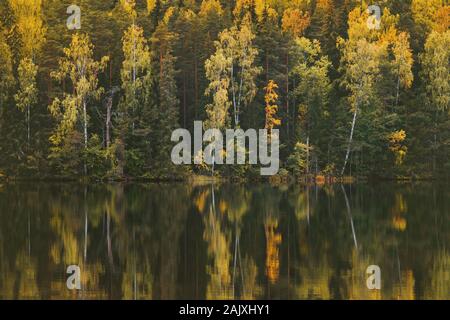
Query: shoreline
(203, 179)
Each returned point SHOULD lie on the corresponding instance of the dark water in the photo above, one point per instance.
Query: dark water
(232, 241)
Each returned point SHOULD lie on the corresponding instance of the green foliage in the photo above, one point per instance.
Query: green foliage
(343, 89)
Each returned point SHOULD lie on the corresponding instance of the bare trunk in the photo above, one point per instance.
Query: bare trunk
(350, 140)
(85, 223)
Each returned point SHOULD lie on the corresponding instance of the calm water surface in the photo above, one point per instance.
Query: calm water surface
(172, 241)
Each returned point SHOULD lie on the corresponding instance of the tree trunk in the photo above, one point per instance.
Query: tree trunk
(350, 140)
(28, 126)
(108, 121)
(307, 157)
(398, 92)
(85, 132)
(196, 81)
(184, 99)
(287, 94)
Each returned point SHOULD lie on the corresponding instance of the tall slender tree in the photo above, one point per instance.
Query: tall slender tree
(79, 66)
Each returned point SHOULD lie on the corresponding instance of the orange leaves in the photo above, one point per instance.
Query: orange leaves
(273, 239)
(271, 98)
(442, 19)
(295, 21)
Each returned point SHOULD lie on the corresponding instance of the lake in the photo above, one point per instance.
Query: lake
(228, 241)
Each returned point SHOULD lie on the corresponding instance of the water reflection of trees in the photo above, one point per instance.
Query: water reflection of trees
(223, 241)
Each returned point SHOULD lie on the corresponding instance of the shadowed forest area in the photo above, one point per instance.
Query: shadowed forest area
(102, 101)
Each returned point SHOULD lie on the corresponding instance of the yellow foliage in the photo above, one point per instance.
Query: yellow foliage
(271, 97)
(396, 140)
(399, 223)
(295, 22)
(442, 19)
(273, 240)
(200, 202)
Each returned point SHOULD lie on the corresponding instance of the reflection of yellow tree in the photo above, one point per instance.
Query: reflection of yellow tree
(273, 240)
(21, 284)
(67, 222)
(400, 207)
(251, 289)
(405, 289)
(218, 241)
(315, 282)
(356, 279)
(440, 277)
(300, 202)
(137, 284)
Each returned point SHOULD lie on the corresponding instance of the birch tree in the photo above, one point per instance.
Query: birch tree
(79, 66)
(30, 27)
(232, 72)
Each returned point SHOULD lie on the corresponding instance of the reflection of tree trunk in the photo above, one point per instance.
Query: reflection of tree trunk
(29, 233)
(134, 266)
(108, 239)
(85, 223)
(434, 151)
(236, 239)
(349, 212)
(307, 203)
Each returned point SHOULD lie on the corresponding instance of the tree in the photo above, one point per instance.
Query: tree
(30, 27)
(436, 72)
(367, 67)
(28, 91)
(312, 91)
(167, 110)
(231, 72)
(294, 24)
(436, 69)
(271, 109)
(396, 146)
(136, 76)
(79, 66)
(7, 82)
(403, 61)
(6, 72)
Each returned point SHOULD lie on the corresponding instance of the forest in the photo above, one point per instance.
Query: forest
(352, 95)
